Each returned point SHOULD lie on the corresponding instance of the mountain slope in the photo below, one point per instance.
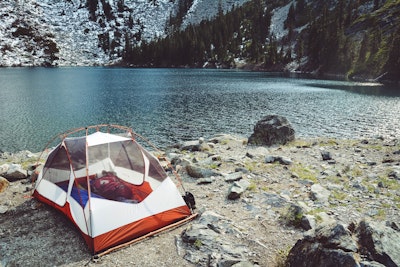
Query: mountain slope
(86, 32)
(356, 39)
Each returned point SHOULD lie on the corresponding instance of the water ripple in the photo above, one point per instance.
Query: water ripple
(171, 105)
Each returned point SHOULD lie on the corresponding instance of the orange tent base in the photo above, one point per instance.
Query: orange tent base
(141, 238)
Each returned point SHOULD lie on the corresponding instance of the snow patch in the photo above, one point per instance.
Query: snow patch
(278, 20)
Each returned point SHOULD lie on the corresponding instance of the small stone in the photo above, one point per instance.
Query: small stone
(326, 155)
(285, 160)
(232, 177)
(270, 159)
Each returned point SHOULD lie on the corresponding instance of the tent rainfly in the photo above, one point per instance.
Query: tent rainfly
(111, 188)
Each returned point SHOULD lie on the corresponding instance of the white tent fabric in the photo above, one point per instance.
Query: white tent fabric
(143, 198)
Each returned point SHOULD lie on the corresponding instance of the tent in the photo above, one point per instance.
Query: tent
(112, 188)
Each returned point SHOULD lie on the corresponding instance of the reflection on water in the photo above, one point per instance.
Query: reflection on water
(170, 105)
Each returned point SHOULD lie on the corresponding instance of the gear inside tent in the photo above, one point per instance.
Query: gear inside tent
(110, 187)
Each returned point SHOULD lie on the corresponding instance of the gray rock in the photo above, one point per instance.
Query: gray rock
(207, 180)
(395, 174)
(285, 160)
(198, 145)
(281, 159)
(371, 264)
(15, 172)
(273, 200)
(307, 222)
(237, 189)
(270, 159)
(272, 130)
(241, 169)
(319, 193)
(198, 172)
(244, 264)
(212, 241)
(4, 168)
(332, 244)
(381, 242)
(3, 209)
(326, 155)
(232, 177)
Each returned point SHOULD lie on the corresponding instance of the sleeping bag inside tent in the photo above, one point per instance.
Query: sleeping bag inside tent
(110, 187)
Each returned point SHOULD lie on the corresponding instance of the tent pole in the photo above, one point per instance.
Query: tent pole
(88, 187)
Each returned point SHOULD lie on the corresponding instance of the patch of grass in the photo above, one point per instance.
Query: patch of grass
(396, 200)
(252, 187)
(213, 166)
(250, 166)
(266, 188)
(356, 172)
(304, 172)
(281, 256)
(335, 179)
(380, 215)
(388, 183)
(197, 244)
(316, 213)
(338, 195)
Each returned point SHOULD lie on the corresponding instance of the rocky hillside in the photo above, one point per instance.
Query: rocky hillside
(81, 32)
(255, 204)
(356, 39)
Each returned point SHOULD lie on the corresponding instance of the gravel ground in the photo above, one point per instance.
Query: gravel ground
(361, 178)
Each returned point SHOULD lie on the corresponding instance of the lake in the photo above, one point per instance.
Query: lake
(170, 105)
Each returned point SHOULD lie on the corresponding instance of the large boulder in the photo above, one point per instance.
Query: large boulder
(272, 130)
(333, 244)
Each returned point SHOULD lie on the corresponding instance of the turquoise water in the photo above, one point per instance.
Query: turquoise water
(171, 105)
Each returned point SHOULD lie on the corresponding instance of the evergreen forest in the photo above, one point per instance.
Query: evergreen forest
(336, 37)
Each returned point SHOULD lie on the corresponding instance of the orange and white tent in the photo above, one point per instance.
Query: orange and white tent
(110, 187)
